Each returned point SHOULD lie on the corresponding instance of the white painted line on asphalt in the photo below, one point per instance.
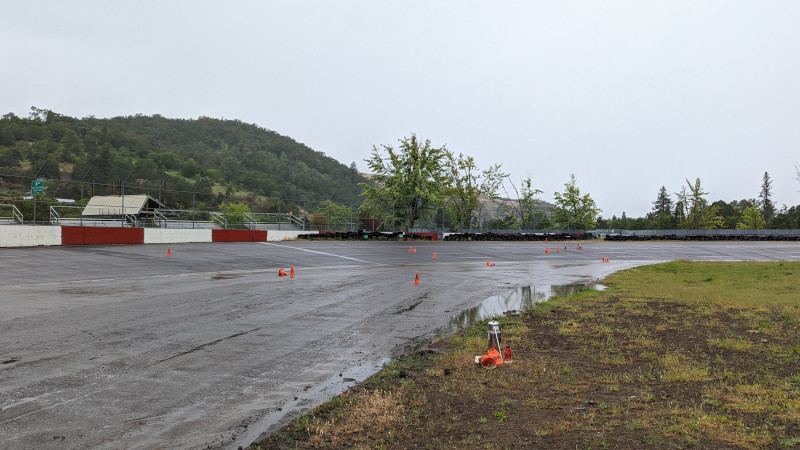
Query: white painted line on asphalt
(314, 251)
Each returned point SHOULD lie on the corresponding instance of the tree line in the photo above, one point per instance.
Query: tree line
(418, 185)
(229, 165)
(692, 210)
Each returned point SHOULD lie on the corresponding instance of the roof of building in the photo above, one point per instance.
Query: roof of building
(115, 205)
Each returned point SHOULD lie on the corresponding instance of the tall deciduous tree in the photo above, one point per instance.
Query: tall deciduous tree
(468, 186)
(527, 204)
(751, 219)
(406, 181)
(573, 210)
(331, 215)
(765, 204)
(695, 213)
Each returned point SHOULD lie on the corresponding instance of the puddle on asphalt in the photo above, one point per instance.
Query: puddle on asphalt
(514, 301)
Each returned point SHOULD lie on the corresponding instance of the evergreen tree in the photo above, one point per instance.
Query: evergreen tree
(663, 204)
(662, 215)
(765, 204)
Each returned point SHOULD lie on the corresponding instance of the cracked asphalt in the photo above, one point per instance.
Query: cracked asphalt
(124, 347)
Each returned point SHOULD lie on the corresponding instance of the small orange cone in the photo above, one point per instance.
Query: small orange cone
(547, 251)
(557, 249)
(291, 273)
(410, 249)
(416, 279)
(579, 247)
(282, 273)
(545, 240)
(487, 263)
(434, 255)
(169, 253)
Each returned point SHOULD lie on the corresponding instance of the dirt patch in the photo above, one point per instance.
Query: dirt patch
(594, 371)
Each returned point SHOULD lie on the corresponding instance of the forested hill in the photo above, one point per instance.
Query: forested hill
(219, 159)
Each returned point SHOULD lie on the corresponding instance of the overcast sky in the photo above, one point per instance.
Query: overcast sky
(627, 95)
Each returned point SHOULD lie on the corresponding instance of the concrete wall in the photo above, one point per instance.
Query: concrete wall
(173, 236)
(29, 235)
(284, 235)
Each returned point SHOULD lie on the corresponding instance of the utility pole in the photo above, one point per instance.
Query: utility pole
(84, 177)
(164, 185)
(122, 192)
(197, 185)
(33, 191)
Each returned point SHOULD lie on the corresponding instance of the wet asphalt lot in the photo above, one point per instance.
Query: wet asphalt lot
(124, 347)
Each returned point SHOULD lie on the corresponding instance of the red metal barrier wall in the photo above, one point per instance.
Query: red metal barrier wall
(72, 236)
(238, 236)
(101, 235)
(97, 235)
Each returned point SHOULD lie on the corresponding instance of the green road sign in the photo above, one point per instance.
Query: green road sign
(37, 186)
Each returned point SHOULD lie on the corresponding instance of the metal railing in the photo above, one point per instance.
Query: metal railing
(219, 220)
(15, 216)
(54, 216)
(159, 220)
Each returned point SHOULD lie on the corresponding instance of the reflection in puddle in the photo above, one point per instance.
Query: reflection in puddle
(516, 300)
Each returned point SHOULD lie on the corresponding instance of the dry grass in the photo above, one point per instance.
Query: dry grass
(380, 413)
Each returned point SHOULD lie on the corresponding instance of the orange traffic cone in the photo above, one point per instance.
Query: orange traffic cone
(557, 249)
(282, 273)
(416, 279)
(434, 255)
(579, 247)
(547, 251)
(169, 253)
(410, 249)
(487, 263)
(545, 240)
(291, 273)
